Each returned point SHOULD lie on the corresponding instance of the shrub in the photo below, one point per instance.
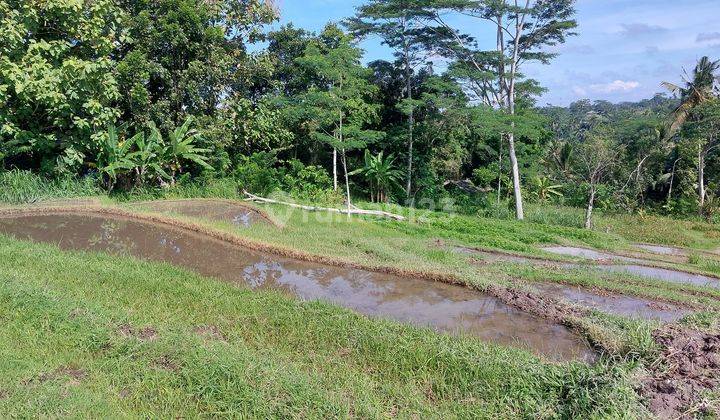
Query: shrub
(257, 173)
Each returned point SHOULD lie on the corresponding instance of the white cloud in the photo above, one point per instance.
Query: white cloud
(615, 86)
(579, 92)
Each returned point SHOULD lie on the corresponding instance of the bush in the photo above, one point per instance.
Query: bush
(257, 173)
(309, 183)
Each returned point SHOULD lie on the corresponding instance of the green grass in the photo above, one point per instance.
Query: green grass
(22, 187)
(63, 353)
(412, 246)
(62, 313)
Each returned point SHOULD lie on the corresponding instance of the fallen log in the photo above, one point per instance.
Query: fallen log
(353, 210)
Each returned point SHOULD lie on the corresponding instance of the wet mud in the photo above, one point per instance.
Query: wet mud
(441, 306)
(632, 307)
(211, 209)
(689, 367)
(489, 257)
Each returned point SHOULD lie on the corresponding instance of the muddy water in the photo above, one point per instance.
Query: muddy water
(586, 253)
(441, 306)
(662, 250)
(218, 210)
(615, 304)
(664, 275)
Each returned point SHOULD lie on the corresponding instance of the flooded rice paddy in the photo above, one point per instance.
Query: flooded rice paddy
(633, 266)
(217, 210)
(662, 250)
(664, 274)
(633, 307)
(441, 306)
(629, 306)
(589, 254)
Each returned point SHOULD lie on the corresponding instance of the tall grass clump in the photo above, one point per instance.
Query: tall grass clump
(556, 215)
(23, 187)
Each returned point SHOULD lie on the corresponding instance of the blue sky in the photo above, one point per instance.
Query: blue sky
(624, 49)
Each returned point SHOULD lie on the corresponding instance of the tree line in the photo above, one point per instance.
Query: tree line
(147, 94)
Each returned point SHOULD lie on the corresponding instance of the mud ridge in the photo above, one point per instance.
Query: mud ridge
(689, 366)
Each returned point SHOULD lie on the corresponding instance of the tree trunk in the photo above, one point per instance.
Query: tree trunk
(701, 179)
(411, 116)
(335, 175)
(588, 213)
(519, 212)
(672, 180)
(408, 187)
(502, 137)
(347, 181)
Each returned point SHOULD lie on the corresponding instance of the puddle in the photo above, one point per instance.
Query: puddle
(219, 210)
(586, 253)
(441, 306)
(632, 307)
(664, 274)
(662, 250)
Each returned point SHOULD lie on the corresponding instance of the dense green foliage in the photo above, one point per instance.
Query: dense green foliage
(146, 94)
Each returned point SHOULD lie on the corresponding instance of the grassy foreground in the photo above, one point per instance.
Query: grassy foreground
(87, 334)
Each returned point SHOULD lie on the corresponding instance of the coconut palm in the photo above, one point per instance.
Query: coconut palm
(698, 89)
(381, 173)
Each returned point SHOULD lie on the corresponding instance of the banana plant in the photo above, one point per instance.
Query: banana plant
(544, 188)
(381, 173)
(115, 157)
(180, 148)
(147, 159)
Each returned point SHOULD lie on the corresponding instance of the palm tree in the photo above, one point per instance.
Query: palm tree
(381, 173)
(115, 157)
(698, 89)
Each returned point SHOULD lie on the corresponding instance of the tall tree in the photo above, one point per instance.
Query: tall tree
(698, 88)
(183, 57)
(401, 28)
(57, 88)
(702, 131)
(523, 30)
(338, 104)
(596, 156)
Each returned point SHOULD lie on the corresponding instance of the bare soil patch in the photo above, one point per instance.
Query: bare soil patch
(689, 366)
